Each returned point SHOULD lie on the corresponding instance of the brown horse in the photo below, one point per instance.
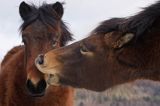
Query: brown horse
(21, 84)
(104, 59)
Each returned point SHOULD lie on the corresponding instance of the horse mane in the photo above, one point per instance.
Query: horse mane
(108, 25)
(137, 24)
(47, 15)
(10, 53)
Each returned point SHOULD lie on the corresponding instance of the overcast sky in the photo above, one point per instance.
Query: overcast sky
(81, 16)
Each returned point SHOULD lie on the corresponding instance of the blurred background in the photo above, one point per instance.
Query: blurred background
(82, 16)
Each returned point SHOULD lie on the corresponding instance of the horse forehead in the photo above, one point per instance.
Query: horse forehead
(37, 26)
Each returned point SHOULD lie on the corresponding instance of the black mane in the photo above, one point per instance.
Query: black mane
(137, 24)
(47, 15)
(109, 25)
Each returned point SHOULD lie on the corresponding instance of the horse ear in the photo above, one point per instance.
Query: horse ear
(123, 40)
(58, 7)
(24, 10)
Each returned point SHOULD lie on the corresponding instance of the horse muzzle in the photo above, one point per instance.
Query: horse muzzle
(36, 90)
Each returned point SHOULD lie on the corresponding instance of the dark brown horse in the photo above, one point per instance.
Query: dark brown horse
(104, 59)
(21, 84)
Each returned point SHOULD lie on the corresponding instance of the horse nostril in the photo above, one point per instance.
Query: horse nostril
(40, 59)
(38, 89)
(41, 85)
(30, 86)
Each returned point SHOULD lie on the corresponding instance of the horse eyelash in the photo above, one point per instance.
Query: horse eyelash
(23, 41)
(54, 44)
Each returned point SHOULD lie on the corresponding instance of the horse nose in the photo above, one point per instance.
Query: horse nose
(40, 59)
(36, 89)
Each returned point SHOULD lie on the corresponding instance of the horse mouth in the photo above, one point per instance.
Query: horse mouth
(38, 95)
(53, 79)
(60, 80)
(46, 69)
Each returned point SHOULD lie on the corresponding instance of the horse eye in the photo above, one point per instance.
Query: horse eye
(54, 44)
(84, 49)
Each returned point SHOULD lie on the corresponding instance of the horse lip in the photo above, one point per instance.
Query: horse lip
(37, 95)
(48, 70)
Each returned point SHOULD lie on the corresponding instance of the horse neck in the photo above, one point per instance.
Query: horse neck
(12, 69)
(142, 59)
(148, 53)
